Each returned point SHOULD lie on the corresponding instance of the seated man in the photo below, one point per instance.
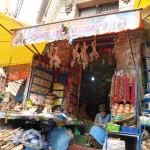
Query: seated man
(97, 133)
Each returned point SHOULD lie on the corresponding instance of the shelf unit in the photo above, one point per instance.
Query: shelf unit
(140, 127)
(145, 102)
(40, 82)
(136, 112)
(146, 74)
(73, 90)
(59, 97)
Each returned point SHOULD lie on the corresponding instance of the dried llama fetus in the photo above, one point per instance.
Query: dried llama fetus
(94, 53)
(84, 56)
(76, 55)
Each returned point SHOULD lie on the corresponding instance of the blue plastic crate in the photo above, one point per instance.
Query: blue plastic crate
(129, 130)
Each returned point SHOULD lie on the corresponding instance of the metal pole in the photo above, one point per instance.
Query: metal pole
(35, 49)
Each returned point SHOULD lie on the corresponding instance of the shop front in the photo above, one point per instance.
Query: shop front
(87, 62)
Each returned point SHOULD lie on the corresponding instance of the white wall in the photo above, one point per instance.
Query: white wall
(52, 11)
(124, 6)
(6, 8)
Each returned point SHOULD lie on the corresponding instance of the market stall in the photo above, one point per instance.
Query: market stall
(54, 84)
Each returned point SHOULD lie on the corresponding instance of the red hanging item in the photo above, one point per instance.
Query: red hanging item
(133, 92)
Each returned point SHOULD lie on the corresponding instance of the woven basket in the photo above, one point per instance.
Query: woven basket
(126, 117)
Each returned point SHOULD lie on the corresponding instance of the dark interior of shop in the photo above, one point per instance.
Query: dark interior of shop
(96, 78)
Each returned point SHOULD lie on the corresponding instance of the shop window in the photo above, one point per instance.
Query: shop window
(99, 9)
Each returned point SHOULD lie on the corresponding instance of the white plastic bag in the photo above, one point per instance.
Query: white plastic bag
(114, 145)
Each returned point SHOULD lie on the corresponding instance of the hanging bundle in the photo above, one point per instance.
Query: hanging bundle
(84, 56)
(76, 55)
(94, 54)
(54, 58)
(121, 89)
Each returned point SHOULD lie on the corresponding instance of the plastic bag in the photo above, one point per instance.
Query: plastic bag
(60, 138)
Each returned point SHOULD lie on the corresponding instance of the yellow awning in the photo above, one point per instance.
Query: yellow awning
(14, 55)
(145, 4)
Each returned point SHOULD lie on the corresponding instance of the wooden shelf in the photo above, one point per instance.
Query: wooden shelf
(40, 85)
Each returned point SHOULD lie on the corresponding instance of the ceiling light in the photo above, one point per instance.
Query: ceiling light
(92, 78)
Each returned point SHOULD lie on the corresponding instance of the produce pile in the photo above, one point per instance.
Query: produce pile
(120, 109)
(16, 139)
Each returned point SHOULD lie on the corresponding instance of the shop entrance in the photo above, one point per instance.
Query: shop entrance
(96, 77)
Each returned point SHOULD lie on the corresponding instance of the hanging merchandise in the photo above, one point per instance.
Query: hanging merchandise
(94, 54)
(120, 89)
(76, 55)
(54, 59)
(84, 56)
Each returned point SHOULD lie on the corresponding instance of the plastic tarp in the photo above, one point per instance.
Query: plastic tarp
(145, 4)
(14, 55)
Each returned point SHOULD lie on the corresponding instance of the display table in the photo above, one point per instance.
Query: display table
(137, 136)
(50, 119)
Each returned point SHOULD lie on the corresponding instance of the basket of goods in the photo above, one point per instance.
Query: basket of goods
(112, 127)
(118, 118)
(124, 110)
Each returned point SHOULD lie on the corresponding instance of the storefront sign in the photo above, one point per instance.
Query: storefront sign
(97, 25)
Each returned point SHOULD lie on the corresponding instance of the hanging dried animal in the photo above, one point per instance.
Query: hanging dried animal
(54, 59)
(94, 54)
(76, 55)
(84, 56)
